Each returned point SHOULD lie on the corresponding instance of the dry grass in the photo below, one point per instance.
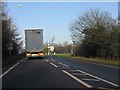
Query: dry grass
(95, 60)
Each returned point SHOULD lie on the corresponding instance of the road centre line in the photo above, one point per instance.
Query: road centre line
(10, 68)
(46, 60)
(53, 64)
(99, 78)
(80, 81)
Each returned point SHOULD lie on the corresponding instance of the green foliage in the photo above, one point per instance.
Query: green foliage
(100, 32)
(10, 35)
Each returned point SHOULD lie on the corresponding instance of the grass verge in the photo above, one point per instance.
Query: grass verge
(115, 63)
(8, 61)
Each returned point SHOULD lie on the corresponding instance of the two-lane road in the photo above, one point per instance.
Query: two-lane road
(37, 73)
(57, 72)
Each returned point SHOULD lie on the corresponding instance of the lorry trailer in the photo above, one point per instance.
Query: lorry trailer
(34, 42)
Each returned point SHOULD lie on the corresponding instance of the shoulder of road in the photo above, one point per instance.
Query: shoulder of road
(97, 61)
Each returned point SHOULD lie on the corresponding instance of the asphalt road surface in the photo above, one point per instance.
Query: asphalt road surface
(57, 72)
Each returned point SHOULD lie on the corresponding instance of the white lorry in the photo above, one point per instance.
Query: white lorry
(34, 42)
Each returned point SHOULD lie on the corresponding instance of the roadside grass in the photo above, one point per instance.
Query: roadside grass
(97, 60)
(6, 61)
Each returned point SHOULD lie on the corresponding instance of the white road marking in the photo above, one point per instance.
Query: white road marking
(105, 88)
(91, 79)
(10, 68)
(64, 67)
(80, 81)
(53, 64)
(63, 64)
(97, 64)
(79, 74)
(53, 60)
(109, 66)
(102, 65)
(99, 78)
(72, 70)
(46, 60)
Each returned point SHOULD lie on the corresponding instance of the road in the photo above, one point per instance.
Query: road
(57, 72)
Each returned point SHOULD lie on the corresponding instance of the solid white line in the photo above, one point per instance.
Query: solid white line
(80, 81)
(102, 65)
(99, 78)
(98, 64)
(91, 79)
(109, 66)
(53, 64)
(10, 69)
(63, 64)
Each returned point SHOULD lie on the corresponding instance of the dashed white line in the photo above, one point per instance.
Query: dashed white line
(10, 68)
(99, 78)
(53, 64)
(46, 60)
(80, 81)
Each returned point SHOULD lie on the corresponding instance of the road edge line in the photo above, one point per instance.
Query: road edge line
(92, 63)
(11, 68)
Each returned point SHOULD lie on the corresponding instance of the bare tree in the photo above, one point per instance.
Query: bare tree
(93, 30)
(90, 19)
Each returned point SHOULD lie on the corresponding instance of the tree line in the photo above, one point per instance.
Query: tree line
(10, 35)
(96, 34)
(59, 48)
